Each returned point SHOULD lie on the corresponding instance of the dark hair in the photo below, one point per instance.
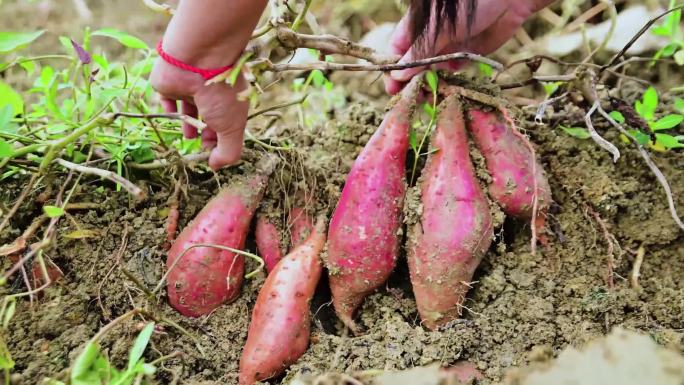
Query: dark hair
(446, 12)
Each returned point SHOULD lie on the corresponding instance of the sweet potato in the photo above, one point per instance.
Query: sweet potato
(206, 277)
(455, 228)
(267, 238)
(363, 234)
(512, 167)
(279, 331)
(300, 224)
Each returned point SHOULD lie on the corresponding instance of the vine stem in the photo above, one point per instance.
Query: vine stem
(249, 275)
(129, 186)
(267, 65)
(56, 147)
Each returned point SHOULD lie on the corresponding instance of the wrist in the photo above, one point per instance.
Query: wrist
(202, 54)
(211, 33)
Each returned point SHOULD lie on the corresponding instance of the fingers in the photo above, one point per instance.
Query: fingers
(392, 86)
(228, 148)
(189, 109)
(500, 32)
(401, 37)
(208, 138)
(170, 106)
(226, 117)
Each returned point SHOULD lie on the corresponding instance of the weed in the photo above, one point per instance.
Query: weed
(645, 108)
(431, 111)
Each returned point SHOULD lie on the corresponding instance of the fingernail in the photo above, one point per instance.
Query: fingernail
(398, 75)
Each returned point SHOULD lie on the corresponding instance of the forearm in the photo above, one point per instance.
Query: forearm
(211, 33)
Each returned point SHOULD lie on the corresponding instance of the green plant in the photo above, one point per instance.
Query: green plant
(6, 361)
(672, 29)
(321, 95)
(646, 108)
(431, 111)
(82, 107)
(91, 367)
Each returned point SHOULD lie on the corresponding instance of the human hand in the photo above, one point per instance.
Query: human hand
(217, 104)
(495, 23)
(208, 34)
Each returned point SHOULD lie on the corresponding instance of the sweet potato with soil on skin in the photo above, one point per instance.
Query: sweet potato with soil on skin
(455, 227)
(363, 235)
(267, 238)
(300, 224)
(509, 162)
(206, 277)
(280, 327)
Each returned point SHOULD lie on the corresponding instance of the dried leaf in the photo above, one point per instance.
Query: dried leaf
(82, 234)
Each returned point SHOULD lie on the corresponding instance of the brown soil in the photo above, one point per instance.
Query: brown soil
(522, 306)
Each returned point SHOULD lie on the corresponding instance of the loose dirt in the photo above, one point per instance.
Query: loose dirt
(523, 308)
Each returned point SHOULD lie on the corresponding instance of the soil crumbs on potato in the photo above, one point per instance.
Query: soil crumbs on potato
(521, 305)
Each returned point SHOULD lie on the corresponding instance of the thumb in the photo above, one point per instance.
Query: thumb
(400, 42)
(406, 74)
(228, 148)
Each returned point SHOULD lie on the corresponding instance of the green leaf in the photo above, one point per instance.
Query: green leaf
(10, 97)
(29, 67)
(140, 344)
(297, 84)
(189, 146)
(53, 211)
(148, 369)
(47, 74)
(667, 122)
(143, 67)
(6, 361)
(551, 87)
(679, 57)
(82, 368)
(660, 31)
(429, 109)
(640, 137)
(668, 50)
(617, 116)
(679, 105)
(577, 132)
(317, 78)
(66, 43)
(413, 140)
(79, 157)
(649, 103)
(102, 62)
(485, 70)
(6, 113)
(639, 107)
(668, 141)
(125, 39)
(431, 78)
(13, 41)
(9, 313)
(6, 149)
(143, 154)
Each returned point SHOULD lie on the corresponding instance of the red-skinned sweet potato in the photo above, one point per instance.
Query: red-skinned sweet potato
(455, 228)
(300, 224)
(279, 331)
(206, 277)
(267, 238)
(512, 167)
(363, 235)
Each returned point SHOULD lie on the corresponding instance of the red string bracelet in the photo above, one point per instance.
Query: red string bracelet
(205, 73)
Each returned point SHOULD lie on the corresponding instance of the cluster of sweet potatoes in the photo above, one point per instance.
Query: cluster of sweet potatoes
(453, 232)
